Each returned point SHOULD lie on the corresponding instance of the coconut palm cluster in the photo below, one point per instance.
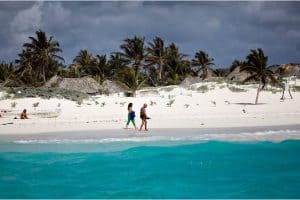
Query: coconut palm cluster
(136, 64)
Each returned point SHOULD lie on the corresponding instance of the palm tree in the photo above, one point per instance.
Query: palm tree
(55, 68)
(101, 67)
(257, 67)
(6, 70)
(44, 51)
(202, 62)
(157, 56)
(83, 63)
(235, 64)
(27, 70)
(133, 53)
(117, 64)
(131, 81)
(177, 67)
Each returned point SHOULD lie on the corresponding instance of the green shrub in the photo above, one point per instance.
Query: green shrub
(54, 84)
(167, 89)
(236, 89)
(7, 96)
(222, 86)
(79, 102)
(202, 88)
(220, 81)
(212, 87)
(274, 90)
(47, 93)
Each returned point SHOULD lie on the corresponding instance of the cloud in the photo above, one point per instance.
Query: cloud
(226, 30)
(56, 15)
(26, 21)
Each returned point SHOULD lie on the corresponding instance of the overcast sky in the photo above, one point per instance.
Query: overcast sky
(226, 30)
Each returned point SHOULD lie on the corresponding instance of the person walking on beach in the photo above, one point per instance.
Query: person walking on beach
(131, 116)
(144, 117)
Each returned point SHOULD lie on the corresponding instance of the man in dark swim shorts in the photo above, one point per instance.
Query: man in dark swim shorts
(144, 117)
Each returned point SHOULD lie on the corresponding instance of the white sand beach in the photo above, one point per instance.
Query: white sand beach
(219, 107)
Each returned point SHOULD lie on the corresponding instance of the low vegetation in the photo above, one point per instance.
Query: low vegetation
(236, 89)
(46, 93)
(273, 89)
(297, 88)
(222, 86)
(167, 89)
(203, 89)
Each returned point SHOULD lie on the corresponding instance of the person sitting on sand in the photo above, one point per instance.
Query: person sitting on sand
(131, 116)
(144, 117)
(24, 114)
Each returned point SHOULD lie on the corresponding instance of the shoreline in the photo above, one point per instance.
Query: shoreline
(259, 133)
(44, 126)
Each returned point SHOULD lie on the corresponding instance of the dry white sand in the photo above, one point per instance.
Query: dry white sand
(191, 109)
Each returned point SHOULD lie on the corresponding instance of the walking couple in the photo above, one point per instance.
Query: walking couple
(143, 116)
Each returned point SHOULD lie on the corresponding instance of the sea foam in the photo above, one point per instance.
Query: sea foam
(272, 136)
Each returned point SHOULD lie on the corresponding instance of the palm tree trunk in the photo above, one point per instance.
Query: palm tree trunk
(101, 77)
(257, 93)
(160, 70)
(44, 72)
(206, 73)
(44, 76)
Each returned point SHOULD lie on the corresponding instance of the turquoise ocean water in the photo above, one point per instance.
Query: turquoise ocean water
(150, 170)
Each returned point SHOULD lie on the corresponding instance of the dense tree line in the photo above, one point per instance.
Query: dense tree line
(137, 63)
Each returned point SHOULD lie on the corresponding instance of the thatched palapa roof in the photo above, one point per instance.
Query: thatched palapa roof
(211, 76)
(237, 75)
(86, 84)
(111, 87)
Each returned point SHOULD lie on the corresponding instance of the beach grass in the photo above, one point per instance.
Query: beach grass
(297, 88)
(274, 90)
(167, 88)
(46, 93)
(236, 89)
(203, 89)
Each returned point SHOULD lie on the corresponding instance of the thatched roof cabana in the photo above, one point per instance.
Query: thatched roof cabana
(110, 87)
(86, 84)
(237, 75)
